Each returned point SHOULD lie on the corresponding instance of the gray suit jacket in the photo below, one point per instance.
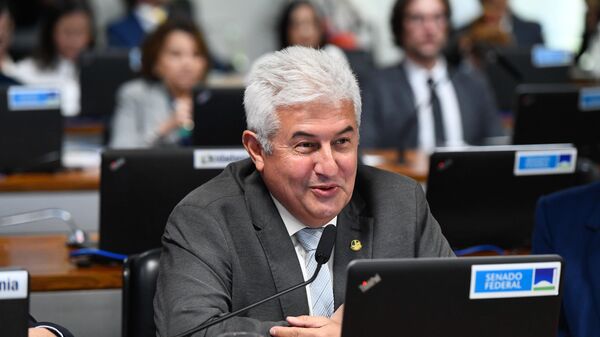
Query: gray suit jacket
(390, 120)
(141, 107)
(225, 247)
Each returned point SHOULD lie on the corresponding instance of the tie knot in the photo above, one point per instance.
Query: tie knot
(430, 83)
(309, 238)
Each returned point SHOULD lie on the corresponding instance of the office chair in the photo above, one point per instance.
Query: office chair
(139, 284)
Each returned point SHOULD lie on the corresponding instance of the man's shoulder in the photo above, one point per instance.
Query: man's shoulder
(228, 186)
(377, 183)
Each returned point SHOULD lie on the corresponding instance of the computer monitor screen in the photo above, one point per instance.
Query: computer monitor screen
(140, 188)
(517, 296)
(101, 75)
(31, 129)
(559, 113)
(219, 117)
(488, 195)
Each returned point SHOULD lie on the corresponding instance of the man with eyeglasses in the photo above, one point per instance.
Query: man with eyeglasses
(423, 102)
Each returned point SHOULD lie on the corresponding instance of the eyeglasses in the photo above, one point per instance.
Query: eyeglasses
(420, 19)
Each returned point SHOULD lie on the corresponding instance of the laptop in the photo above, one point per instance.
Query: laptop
(487, 195)
(516, 296)
(140, 188)
(31, 129)
(506, 68)
(219, 117)
(559, 113)
(101, 75)
(14, 302)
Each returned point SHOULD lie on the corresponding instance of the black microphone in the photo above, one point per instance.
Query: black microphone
(322, 255)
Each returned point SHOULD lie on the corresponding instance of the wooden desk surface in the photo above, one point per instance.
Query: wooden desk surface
(415, 164)
(68, 180)
(46, 257)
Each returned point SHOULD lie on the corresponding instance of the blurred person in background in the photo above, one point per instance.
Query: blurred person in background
(301, 24)
(142, 17)
(7, 66)
(66, 32)
(156, 110)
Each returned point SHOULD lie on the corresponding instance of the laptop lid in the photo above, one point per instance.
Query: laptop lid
(487, 195)
(14, 302)
(559, 113)
(467, 297)
(219, 117)
(31, 129)
(140, 188)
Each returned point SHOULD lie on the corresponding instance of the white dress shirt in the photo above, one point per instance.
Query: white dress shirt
(293, 225)
(451, 117)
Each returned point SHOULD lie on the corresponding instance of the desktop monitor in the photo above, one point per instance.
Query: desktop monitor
(140, 188)
(516, 296)
(219, 117)
(559, 113)
(14, 302)
(506, 68)
(31, 129)
(487, 195)
(101, 74)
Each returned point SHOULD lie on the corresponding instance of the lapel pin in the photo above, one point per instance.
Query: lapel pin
(355, 245)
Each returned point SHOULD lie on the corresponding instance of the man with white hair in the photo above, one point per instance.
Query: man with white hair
(247, 234)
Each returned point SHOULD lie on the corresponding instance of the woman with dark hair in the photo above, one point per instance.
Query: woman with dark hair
(156, 110)
(66, 31)
(301, 24)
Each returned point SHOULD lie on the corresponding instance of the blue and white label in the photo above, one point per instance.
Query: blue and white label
(589, 99)
(515, 280)
(13, 284)
(545, 162)
(33, 98)
(543, 57)
(217, 158)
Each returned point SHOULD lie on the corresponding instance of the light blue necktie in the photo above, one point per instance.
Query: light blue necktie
(321, 290)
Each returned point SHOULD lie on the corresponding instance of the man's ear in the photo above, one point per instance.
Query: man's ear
(255, 150)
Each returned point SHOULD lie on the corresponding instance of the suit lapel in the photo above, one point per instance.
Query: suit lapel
(277, 245)
(593, 251)
(467, 110)
(351, 226)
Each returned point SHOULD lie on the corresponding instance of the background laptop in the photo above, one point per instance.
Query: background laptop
(140, 188)
(487, 195)
(559, 113)
(451, 297)
(31, 129)
(219, 117)
(14, 302)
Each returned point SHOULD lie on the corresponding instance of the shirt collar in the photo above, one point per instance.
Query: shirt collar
(292, 224)
(437, 73)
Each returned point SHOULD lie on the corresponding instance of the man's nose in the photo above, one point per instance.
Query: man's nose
(325, 163)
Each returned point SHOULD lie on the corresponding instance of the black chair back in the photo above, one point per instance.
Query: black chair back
(139, 285)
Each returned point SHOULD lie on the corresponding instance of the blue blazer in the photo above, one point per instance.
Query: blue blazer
(125, 33)
(568, 223)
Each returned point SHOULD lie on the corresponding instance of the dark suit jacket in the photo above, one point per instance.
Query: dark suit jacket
(526, 33)
(225, 246)
(126, 32)
(390, 120)
(568, 223)
(65, 333)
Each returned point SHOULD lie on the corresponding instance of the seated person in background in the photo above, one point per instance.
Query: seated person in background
(423, 103)
(156, 110)
(499, 26)
(251, 231)
(143, 16)
(568, 223)
(45, 329)
(6, 29)
(67, 31)
(301, 25)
